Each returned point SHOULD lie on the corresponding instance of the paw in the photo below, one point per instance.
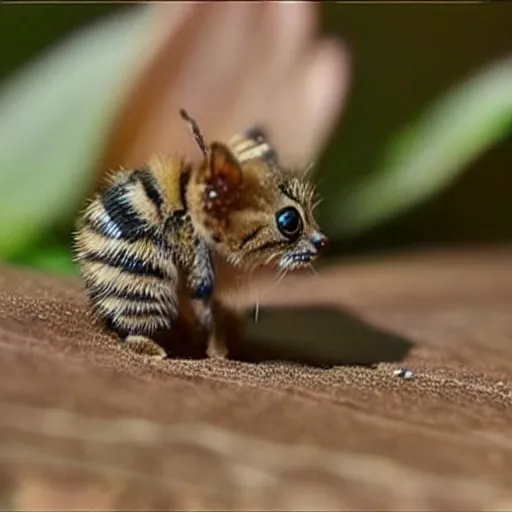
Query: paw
(216, 349)
(146, 347)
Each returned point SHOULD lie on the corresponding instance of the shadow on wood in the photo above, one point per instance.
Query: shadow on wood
(319, 336)
(316, 336)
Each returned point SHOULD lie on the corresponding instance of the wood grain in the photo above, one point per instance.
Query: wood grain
(84, 424)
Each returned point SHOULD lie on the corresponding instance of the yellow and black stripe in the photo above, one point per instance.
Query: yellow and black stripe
(253, 144)
(131, 283)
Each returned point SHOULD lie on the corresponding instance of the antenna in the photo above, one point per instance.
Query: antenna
(196, 132)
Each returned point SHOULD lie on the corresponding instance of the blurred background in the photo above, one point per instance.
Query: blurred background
(421, 157)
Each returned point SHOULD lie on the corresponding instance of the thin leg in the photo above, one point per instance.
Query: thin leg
(145, 346)
(228, 328)
(200, 279)
(217, 348)
(202, 314)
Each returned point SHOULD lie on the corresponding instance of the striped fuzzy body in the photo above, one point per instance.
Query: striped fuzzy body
(127, 260)
(148, 244)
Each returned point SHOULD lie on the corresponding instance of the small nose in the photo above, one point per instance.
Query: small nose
(320, 241)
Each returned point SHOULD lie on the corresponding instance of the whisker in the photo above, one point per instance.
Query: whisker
(281, 276)
(319, 181)
(312, 268)
(317, 203)
(263, 293)
(309, 168)
(271, 257)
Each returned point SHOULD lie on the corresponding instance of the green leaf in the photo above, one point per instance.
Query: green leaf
(55, 116)
(55, 258)
(430, 154)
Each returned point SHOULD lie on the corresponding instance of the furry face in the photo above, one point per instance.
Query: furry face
(252, 211)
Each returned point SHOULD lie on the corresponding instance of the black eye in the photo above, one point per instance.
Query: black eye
(289, 222)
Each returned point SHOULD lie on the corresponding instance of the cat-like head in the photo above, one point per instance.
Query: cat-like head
(249, 208)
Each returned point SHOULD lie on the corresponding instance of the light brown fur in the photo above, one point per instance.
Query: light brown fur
(167, 240)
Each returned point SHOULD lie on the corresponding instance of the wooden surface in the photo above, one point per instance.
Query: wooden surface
(83, 424)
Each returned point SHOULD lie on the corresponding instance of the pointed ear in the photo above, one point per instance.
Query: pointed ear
(224, 166)
(223, 182)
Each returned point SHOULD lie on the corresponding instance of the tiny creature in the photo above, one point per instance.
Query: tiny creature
(168, 240)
